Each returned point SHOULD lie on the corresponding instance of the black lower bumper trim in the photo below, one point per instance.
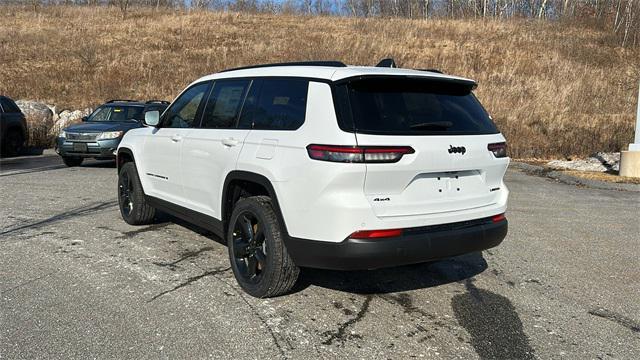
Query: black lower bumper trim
(411, 248)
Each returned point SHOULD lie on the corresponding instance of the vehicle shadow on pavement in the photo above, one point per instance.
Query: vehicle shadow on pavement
(381, 281)
(28, 151)
(100, 164)
(396, 279)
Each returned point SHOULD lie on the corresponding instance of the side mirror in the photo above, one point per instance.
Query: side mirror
(85, 118)
(152, 118)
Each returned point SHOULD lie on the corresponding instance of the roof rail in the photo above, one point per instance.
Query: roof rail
(388, 62)
(120, 100)
(296, 63)
(431, 70)
(164, 102)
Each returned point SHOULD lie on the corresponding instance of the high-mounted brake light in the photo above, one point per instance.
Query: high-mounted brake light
(358, 154)
(376, 234)
(498, 218)
(499, 150)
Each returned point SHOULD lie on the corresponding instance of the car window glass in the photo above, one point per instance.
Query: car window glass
(159, 108)
(224, 104)
(182, 112)
(281, 104)
(402, 106)
(249, 106)
(125, 113)
(9, 106)
(101, 114)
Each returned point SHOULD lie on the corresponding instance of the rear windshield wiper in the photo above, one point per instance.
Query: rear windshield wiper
(432, 125)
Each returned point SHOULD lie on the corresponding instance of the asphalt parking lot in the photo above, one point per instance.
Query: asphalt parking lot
(78, 282)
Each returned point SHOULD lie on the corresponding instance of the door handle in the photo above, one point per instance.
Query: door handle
(229, 142)
(176, 138)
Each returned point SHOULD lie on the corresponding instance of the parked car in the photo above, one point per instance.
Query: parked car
(100, 133)
(322, 165)
(13, 127)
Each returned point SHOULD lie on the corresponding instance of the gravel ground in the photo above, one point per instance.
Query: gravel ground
(78, 282)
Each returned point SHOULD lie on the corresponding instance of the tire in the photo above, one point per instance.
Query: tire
(132, 203)
(72, 161)
(259, 259)
(13, 143)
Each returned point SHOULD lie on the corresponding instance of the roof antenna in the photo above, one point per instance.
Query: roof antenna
(388, 62)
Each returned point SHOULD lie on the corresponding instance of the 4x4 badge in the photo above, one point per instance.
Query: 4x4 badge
(457, 149)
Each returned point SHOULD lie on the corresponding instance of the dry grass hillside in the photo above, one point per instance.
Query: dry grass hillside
(554, 89)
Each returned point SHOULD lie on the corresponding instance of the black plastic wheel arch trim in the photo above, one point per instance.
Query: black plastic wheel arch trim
(257, 179)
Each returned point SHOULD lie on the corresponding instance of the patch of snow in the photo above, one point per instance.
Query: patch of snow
(598, 162)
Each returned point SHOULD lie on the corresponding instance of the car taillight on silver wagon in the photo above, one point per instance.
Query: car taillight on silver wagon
(499, 150)
(358, 154)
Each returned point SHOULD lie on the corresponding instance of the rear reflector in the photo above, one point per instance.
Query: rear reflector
(498, 218)
(376, 234)
(358, 154)
(499, 150)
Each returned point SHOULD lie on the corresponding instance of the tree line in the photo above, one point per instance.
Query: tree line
(620, 17)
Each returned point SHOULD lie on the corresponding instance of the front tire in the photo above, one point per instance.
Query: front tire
(259, 259)
(72, 161)
(133, 205)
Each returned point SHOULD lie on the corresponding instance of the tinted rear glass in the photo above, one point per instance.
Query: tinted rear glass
(279, 104)
(224, 104)
(416, 107)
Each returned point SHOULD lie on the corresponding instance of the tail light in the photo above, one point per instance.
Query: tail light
(499, 150)
(376, 234)
(498, 218)
(358, 154)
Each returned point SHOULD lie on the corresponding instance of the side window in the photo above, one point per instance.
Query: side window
(182, 112)
(281, 105)
(224, 104)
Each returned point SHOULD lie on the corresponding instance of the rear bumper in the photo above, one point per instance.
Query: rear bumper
(417, 245)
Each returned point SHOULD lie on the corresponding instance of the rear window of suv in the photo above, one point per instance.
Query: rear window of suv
(402, 106)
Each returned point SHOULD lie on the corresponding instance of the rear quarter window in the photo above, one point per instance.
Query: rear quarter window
(402, 106)
(275, 104)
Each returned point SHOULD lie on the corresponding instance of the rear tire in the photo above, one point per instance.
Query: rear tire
(259, 259)
(72, 161)
(133, 206)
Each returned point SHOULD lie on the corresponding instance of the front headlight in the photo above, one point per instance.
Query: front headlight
(62, 134)
(109, 135)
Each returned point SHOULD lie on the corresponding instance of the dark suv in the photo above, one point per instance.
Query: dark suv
(13, 127)
(100, 133)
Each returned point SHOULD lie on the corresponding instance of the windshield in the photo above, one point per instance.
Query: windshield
(117, 113)
(416, 107)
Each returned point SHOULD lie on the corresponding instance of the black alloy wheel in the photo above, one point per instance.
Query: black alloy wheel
(249, 247)
(125, 190)
(259, 258)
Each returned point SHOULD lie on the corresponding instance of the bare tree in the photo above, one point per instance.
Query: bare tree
(123, 5)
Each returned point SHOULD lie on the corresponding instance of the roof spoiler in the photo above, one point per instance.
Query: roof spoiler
(388, 63)
(163, 102)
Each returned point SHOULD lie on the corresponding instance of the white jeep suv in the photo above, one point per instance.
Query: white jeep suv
(319, 164)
